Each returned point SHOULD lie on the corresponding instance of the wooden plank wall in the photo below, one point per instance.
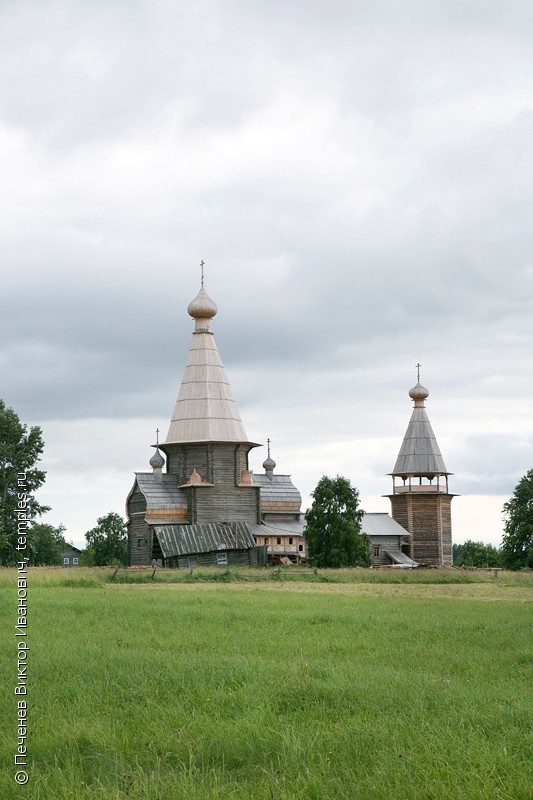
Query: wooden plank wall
(225, 501)
(427, 517)
(241, 558)
(386, 543)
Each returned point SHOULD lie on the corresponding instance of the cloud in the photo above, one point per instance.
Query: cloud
(357, 180)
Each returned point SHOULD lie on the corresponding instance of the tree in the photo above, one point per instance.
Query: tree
(517, 544)
(20, 450)
(46, 543)
(476, 554)
(333, 526)
(107, 543)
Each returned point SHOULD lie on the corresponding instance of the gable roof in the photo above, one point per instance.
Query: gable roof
(381, 524)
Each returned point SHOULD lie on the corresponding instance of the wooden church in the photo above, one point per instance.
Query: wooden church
(201, 504)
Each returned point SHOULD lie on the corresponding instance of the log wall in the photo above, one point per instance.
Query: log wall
(428, 519)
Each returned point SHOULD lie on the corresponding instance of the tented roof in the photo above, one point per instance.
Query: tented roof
(419, 453)
(205, 410)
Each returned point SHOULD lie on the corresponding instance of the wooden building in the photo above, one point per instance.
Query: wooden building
(389, 541)
(70, 556)
(201, 503)
(420, 500)
(282, 523)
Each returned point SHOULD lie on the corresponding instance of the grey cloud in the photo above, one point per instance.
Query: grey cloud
(356, 178)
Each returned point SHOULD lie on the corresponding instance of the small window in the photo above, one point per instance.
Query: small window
(222, 559)
(255, 539)
(300, 547)
(377, 550)
(66, 561)
(74, 560)
(267, 540)
(290, 539)
(193, 562)
(141, 542)
(278, 540)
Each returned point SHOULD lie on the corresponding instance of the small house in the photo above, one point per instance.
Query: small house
(389, 542)
(70, 556)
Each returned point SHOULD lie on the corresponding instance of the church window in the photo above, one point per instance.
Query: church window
(278, 540)
(290, 539)
(300, 548)
(377, 550)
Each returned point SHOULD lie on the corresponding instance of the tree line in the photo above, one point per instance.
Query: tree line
(333, 523)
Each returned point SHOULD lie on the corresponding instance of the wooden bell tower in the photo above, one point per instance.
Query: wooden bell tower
(420, 499)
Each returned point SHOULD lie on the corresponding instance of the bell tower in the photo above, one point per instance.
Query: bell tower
(420, 499)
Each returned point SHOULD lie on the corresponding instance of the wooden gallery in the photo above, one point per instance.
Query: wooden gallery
(201, 505)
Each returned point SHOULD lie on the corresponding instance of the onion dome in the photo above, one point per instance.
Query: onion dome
(157, 461)
(269, 464)
(418, 393)
(202, 307)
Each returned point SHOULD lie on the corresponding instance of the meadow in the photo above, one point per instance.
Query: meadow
(272, 684)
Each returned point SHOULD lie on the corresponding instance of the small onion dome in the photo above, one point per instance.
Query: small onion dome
(418, 392)
(269, 464)
(202, 307)
(157, 460)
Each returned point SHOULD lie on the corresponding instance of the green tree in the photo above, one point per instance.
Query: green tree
(20, 450)
(46, 543)
(333, 526)
(517, 544)
(107, 543)
(476, 554)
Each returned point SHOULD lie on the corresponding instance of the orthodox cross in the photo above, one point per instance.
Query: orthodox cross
(202, 265)
(268, 445)
(418, 372)
(157, 436)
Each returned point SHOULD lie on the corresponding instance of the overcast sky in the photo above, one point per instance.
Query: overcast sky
(358, 177)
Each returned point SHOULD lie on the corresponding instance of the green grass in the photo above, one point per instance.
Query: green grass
(272, 689)
(97, 576)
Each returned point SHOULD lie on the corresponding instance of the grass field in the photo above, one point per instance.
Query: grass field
(342, 685)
